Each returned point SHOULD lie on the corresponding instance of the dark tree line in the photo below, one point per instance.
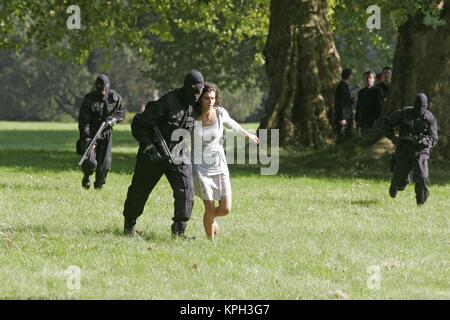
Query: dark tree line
(233, 42)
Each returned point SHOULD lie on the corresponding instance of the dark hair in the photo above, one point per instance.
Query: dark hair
(209, 87)
(387, 68)
(346, 73)
(369, 72)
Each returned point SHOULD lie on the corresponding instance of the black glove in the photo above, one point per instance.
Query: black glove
(110, 122)
(152, 153)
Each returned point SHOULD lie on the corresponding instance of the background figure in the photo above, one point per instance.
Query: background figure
(103, 104)
(378, 78)
(343, 113)
(417, 135)
(172, 111)
(370, 103)
(385, 82)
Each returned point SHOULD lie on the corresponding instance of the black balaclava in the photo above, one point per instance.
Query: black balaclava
(193, 86)
(420, 104)
(102, 84)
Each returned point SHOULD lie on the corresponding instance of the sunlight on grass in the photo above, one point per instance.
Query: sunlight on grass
(305, 233)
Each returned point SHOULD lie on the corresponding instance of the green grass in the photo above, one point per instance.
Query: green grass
(309, 232)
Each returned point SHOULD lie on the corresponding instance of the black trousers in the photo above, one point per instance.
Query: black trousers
(99, 161)
(146, 176)
(405, 162)
(344, 133)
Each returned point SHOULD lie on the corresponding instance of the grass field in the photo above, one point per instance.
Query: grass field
(324, 227)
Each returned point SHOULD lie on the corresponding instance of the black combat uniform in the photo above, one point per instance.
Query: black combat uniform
(343, 111)
(417, 135)
(172, 111)
(99, 106)
(369, 107)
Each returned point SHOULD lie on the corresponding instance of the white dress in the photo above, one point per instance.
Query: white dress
(209, 165)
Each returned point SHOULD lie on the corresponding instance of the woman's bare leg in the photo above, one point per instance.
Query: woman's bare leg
(211, 212)
(215, 228)
(208, 218)
(222, 210)
(224, 207)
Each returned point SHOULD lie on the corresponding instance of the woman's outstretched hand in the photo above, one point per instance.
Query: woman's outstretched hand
(253, 138)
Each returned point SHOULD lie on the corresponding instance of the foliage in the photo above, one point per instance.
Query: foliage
(43, 89)
(162, 39)
(242, 102)
(223, 37)
(363, 49)
(39, 89)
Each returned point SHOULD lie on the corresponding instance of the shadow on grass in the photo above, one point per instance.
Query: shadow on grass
(30, 228)
(55, 140)
(364, 202)
(47, 232)
(56, 161)
(335, 163)
(340, 162)
(148, 236)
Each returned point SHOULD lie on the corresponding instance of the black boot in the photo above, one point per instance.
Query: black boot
(178, 229)
(128, 228)
(98, 185)
(393, 191)
(86, 182)
(421, 200)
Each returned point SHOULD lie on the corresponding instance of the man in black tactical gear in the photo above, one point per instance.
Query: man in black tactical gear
(102, 104)
(417, 135)
(343, 112)
(172, 111)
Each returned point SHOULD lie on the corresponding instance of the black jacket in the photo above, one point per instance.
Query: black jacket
(94, 110)
(423, 129)
(369, 106)
(383, 87)
(167, 113)
(342, 103)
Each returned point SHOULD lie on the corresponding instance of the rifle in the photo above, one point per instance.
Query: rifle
(92, 144)
(162, 144)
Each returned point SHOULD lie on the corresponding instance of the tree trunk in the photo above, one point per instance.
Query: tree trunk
(422, 64)
(303, 69)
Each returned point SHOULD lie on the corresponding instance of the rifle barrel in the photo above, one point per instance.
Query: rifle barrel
(94, 140)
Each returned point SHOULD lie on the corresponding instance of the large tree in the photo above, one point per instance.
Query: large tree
(422, 64)
(303, 67)
(421, 57)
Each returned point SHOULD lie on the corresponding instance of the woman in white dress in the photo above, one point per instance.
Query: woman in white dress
(210, 169)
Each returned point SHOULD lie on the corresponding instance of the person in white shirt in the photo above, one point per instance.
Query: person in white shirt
(210, 169)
